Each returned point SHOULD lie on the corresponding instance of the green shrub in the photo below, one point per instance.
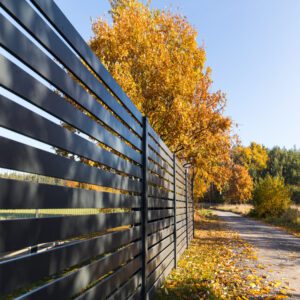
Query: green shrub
(271, 198)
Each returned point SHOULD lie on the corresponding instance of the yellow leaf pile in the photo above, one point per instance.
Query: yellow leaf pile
(219, 265)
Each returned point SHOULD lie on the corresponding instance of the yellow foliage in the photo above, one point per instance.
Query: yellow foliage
(245, 161)
(240, 185)
(217, 265)
(271, 198)
(254, 157)
(154, 56)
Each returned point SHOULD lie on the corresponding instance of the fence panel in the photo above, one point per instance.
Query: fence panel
(93, 204)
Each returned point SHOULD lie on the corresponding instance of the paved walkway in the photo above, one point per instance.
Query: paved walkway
(276, 249)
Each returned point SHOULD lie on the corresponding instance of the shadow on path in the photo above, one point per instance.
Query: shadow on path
(279, 250)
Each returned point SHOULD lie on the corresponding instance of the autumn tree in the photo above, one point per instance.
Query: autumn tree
(155, 57)
(246, 163)
(253, 157)
(240, 185)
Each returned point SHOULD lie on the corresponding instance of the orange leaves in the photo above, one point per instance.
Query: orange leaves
(240, 185)
(245, 161)
(155, 57)
(217, 265)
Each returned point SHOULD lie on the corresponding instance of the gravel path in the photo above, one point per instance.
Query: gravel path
(276, 249)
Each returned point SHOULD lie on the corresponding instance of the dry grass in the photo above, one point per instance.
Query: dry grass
(289, 221)
(242, 209)
(296, 206)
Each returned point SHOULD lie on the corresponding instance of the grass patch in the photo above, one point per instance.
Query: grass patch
(289, 221)
(242, 209)
(218, 265)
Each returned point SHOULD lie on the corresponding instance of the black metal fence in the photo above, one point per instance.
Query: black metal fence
(134, 211)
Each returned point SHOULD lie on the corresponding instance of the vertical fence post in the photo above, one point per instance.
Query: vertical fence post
(192, 195)
(145, 208)
(174, 199)
(186, 207)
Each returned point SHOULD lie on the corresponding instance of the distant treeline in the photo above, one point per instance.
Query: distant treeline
(260, 162)
(284, 163)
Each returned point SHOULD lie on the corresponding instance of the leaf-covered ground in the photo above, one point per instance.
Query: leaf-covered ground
(219, 265)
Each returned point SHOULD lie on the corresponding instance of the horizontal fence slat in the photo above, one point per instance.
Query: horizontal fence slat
(16, 194)
(159, 141)
(109, 284)
(180, 184)
(182, 240)
(181, 225)
(159, 214)
(20, 157)
(181, 214)
(190, 224)
(163, 269)
(160, 182)
(159, 258)
(159, 225)
(180, 167)
(40, 30)
(153, 156)
(180, 190)
(160, 235)
(154, 168)
(54, 15)
(180, 204)
(180, 198)
(181, 237)
(180, 217)
(47, 263)
(43, 130)
(155, 250)
(180, 170)
(74, 282)
(159, 151)
(179, 179)
(137, 294)
(18, 81)
(159, 203)
(128, 289)
(180, 232)
(34, 58)
(159, 193)
(181, 250)
(180, 176)
(20, 233)
(180, 211)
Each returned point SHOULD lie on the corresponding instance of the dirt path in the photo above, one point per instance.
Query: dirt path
(276, 249)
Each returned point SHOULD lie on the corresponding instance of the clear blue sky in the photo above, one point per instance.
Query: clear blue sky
(253, 47)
